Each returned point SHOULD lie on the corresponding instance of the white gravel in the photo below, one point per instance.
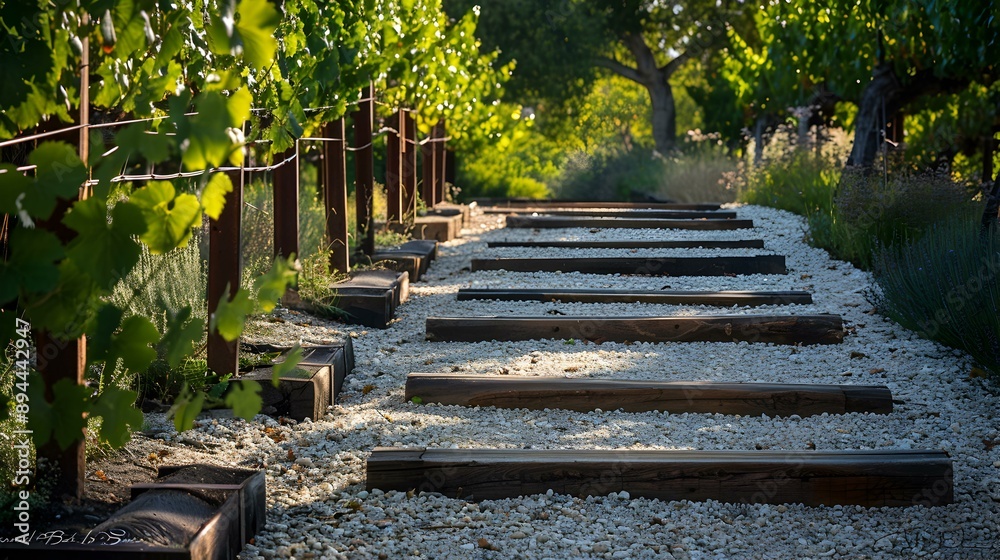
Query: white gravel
(319, 508)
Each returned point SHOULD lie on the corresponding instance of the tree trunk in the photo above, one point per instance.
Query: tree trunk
(879, 103)
(664, 114)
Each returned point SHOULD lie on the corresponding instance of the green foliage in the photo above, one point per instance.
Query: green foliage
(119, 417)
(944, 286)
(800, 183)
(695, 174)
(553, 44)
(315, 281)
(850, 213)
(287, 365)
(522, 164)
(244, 398)
(197, 67)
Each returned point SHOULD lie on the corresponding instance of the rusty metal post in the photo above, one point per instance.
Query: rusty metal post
(409, 167)
(335, 195)
(364, 182)
(224, 269)
(57, 358)
(286, 205)
(393, 169)
(429, 184)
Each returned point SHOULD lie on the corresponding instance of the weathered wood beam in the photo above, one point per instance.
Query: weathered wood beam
(813, 478)
(676, 397)
(526, 202)
(620, 213)
(669, 297)
(666, 244)
(551, 222)
(775, 329)
(644, 266)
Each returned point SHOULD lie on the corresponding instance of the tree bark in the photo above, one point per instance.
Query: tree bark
(656, 80)
(664, 115)
(879, 102)
(992, 211)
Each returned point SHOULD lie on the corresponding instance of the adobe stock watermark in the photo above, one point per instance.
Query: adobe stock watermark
(21, 482)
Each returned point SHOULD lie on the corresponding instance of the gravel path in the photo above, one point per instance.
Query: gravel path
(319, 508)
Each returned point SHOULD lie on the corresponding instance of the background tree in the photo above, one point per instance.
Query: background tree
(644, 42)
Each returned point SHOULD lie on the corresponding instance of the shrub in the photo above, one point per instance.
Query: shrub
(944, 286)
(696, 173)
(872, 209)
(800, 182)
(849, 212)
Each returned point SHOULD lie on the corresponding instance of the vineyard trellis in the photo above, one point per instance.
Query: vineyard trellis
(183, 93)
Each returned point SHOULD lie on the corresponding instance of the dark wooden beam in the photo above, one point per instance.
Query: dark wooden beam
(669, 297)
(652, 266)
(620, 213)
(312, 386)
(224, 270)
(676, 397)
(666, 244)
(520, 203)
(814, 478)
(552, 222)
(190, 512)
(775, 329)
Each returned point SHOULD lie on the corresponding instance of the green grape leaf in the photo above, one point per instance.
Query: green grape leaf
(220, 388)
(239, 104)
(119, 417)
(99, 338)
(66, 308)
(132, 343)
(244, 398)
(60, 174)
(208, 141)
(170, 218)
(180, 336)
(104, 251)
(32, 265)
(213, 197)
(230, 315)
(186, 408)
(40, 415)
(14, 185)
(256, 23)
(68, 408)
(271, 286)
(288, 364)
(220, 28)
